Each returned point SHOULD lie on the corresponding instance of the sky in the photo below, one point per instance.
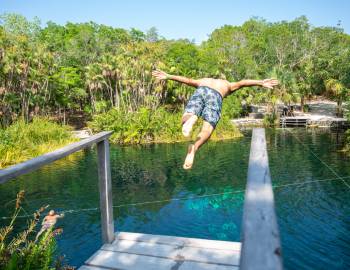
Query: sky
(191, 19)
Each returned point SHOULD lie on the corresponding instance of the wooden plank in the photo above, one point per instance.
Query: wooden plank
(35, 163)
(180, 265)
(105, 187)
(143, 248)
(261, 248)
(116, 260)
(198, 254)
(86, 267)
(213, 256)
(205, 266)
(178, 241)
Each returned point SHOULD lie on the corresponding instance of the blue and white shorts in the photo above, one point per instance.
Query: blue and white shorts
(206, 103)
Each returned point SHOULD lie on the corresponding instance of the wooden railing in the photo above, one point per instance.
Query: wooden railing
(261, 248)
(104, 175)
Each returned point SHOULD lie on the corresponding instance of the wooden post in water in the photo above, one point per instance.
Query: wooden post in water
(261, 248)
(105, 186)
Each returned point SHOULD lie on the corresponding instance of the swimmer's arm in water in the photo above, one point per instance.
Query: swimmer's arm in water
(161, 75)
(58, 216)
(268, 83)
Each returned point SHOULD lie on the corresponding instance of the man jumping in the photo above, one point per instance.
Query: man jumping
(206, 102)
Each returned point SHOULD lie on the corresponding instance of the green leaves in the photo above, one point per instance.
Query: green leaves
(149, 126)
(68, 86)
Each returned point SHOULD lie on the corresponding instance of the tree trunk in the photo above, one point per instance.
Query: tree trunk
(302, 102)
(59, 113)
(116, 101)
(64, 115)
(339, 108)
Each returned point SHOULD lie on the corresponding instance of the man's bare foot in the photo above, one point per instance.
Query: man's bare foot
(189, 158)
(188, 125)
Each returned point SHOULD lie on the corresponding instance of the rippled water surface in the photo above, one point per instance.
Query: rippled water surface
(153, 194)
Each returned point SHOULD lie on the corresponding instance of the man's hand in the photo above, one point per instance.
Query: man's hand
(269, 83)
(160, 75)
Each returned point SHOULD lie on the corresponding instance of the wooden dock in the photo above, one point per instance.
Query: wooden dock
(135, 251)
(293, 121)
(312, 120)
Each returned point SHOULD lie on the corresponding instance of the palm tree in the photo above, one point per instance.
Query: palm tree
(337, 89)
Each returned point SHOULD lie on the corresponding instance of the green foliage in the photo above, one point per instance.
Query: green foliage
(337, 90)
(22, 141)
(94, 68)
(18, 25)
(137, 35)
(145, 126)
(271, 120)
(68, 86)
(141, 126)
(232, 107)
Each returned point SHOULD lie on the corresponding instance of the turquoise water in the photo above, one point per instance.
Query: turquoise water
(153, 194)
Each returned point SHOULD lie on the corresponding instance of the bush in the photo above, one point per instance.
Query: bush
(306, 108)
(232, 107)
(146, 125)
(22, 141)
(271, 120)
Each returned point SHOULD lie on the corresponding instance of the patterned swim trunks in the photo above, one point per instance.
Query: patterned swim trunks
(206, 103)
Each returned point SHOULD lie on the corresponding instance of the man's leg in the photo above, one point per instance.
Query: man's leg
(40, 233)
(188, 120)
(202, 137)
(193, 109)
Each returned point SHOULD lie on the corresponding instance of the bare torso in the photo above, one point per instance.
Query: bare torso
(222, 86)
(51, 219)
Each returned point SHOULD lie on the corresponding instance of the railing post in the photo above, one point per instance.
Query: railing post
(105, 187)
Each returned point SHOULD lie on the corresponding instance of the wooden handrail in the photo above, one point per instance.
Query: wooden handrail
(261, 248)
(104, 175)
(35, 163)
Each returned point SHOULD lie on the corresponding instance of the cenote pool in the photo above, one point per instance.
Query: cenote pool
(153, 194)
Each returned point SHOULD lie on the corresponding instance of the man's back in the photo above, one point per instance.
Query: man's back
(222, 86)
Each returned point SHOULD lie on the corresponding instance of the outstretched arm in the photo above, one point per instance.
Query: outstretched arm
(161, 75)
(268, 83)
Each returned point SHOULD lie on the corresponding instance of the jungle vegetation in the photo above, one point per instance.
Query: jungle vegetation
(103, 73)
